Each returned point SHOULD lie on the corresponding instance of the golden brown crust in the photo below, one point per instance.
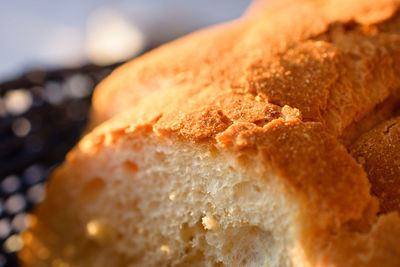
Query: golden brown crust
(378, 151)
(329, 65)
(382, 112)
(312, 163)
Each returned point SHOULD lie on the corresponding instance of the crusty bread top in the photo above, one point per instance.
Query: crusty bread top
(329, 59)
(281, 86)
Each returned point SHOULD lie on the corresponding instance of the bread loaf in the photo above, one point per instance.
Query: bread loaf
(253, 143)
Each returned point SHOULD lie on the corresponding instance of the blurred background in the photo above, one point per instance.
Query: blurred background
(49, 34)
(53, 54)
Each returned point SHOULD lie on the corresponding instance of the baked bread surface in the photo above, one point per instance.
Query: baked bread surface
(230, 147)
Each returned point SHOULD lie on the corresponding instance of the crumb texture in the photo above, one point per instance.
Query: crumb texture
(162, 214)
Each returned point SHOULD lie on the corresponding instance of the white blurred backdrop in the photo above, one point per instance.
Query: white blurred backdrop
(56, 34)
